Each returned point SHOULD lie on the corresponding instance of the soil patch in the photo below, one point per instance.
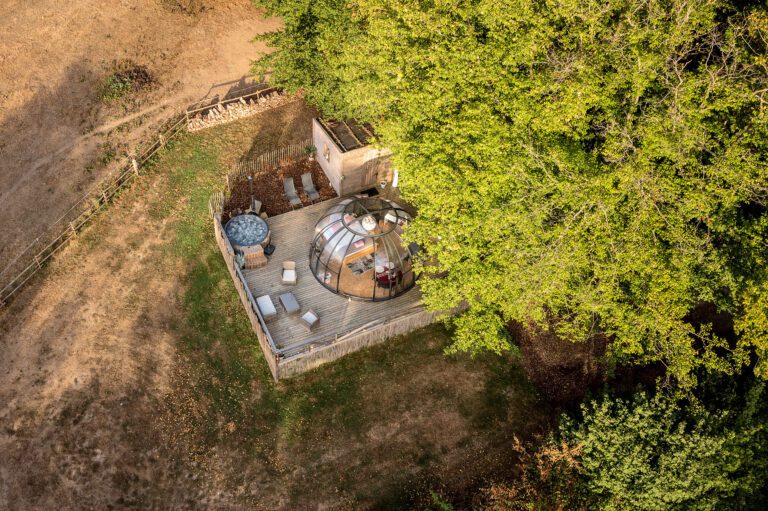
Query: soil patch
(561, 370)
(188, 7)
(268, 188)
(127, 78)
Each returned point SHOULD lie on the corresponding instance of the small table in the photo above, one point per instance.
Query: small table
(309, 319)
(290, 304)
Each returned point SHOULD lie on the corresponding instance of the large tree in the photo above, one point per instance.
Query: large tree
(653, 453)
(595, 166)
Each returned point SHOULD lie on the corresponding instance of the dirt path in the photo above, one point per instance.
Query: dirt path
(54, 128)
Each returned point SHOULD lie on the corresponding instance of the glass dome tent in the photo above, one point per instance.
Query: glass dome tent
(357, 250)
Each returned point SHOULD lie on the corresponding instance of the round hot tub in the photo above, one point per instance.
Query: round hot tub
(246, 231)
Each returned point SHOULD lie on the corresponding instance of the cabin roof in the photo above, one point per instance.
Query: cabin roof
(348, 135)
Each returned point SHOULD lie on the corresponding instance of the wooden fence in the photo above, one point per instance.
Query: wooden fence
(312, 357)
(268, 161)
(41, 250)
(251, 309)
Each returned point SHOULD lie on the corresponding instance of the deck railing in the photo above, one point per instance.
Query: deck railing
(315, 355)
(252, 310)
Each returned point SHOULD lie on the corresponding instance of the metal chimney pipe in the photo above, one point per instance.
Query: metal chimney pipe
(250, 189)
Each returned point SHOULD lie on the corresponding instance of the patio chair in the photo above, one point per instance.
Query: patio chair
(309, 319)
(289, 273)
(290, 192)
(309, 186)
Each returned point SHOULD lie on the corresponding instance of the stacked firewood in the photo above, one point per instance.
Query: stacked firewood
(222, 114)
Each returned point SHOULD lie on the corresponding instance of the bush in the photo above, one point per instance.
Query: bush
(127, 78)
(651, 453)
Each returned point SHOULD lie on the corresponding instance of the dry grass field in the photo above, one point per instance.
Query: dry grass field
(130, 379)
(64, 120)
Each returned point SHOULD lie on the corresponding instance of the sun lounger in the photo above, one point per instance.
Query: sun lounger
(266, 307)
(290, 192)
(309, 186)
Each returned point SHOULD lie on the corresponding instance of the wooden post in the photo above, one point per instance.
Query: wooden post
(72, 227)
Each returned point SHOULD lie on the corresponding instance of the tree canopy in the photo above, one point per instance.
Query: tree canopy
(650, 453)
(598, 167)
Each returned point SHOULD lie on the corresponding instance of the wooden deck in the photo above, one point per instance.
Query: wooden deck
(292, 234)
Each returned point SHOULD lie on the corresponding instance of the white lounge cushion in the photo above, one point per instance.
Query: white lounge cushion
(289, 276)
(266, 306)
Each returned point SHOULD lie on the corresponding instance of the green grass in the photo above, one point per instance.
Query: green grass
(116, 86)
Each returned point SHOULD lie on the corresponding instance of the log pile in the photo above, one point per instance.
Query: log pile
(222, 114)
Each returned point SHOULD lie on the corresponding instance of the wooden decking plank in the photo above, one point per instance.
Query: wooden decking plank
(292, 233)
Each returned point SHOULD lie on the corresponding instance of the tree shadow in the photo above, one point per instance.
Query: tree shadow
(295, 126)
(42, 171)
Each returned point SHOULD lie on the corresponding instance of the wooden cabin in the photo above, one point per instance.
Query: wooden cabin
(347, 158)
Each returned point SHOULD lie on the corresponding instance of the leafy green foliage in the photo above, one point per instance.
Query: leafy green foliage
(313, 31)
(599, 166)
(653, 453)
(115, 86)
